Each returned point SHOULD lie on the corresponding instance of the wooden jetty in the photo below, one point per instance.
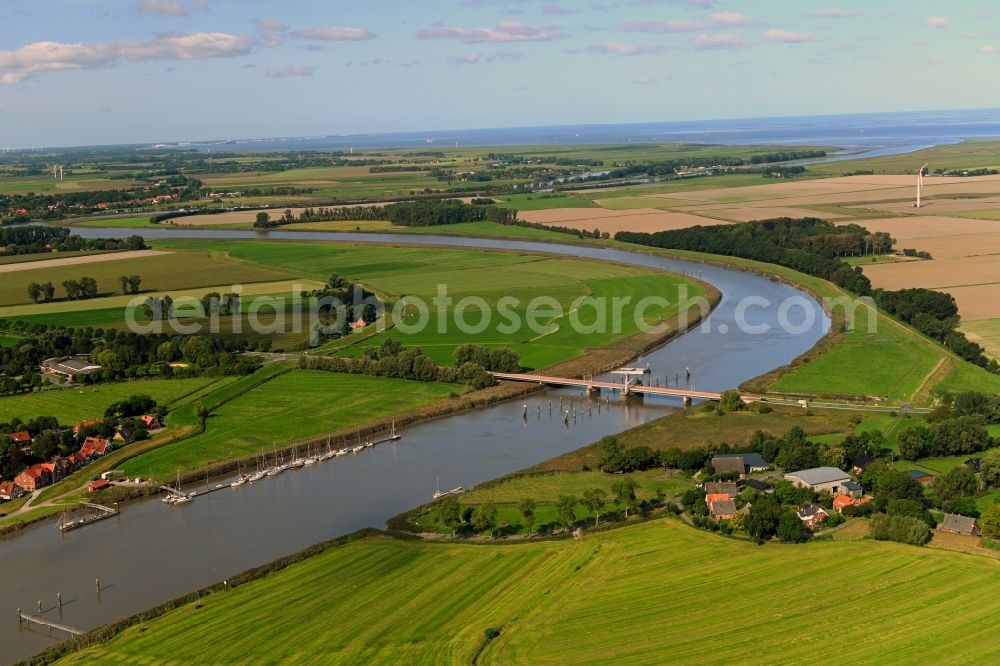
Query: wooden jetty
(103, 512)
(41, 621)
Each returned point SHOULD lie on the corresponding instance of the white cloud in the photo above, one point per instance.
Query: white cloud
(474, 58)
(644, 80)
(990, 49)
(506, 31)
(834, 12)
(171, 8)
(730, 18)
(786, 37)
(333, 33)
(660, 27)
(270, 25)
(937, 22)
(288, 72)
(619, 48)
(39, 57)
(719, 41)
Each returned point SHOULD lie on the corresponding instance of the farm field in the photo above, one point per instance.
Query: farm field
(288, 408)
(89, 402)
(136, 222)
(985, 332)
(43, 256)
(586, 601)
(418, 272)
(78, 260)
(167, 271)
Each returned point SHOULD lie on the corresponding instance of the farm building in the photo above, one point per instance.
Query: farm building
(852, 489)
(755, 484)
(722, 509)
(22, 437)
(953, 522)
(100, 484)
(70, 367)
(10, 490)
(94, 447)
(741, 463)
(819, 479)
(841, 502)
(859, 464)
(33, 478)
(715, 487)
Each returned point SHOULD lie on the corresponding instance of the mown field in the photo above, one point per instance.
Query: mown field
(658, 592)
(177, 270)
(89, 402)
(288, 408)
(488, 275)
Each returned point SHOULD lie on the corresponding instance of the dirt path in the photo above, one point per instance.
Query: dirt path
(73, 261)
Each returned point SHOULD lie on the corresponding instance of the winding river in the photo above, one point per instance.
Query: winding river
(151, 553)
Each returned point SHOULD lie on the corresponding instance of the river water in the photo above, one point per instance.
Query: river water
(151, 552)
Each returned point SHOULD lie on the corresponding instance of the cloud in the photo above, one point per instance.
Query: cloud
(644, 80)
(785, 37)
(554, 9)
(834, 12)
(989, 49)
(474, 58)
(506, 31)
(730, 18)
(660, 27)
(272, 41)
(333, 33)
(270, 25)
(288, 72)
(937, 22)
(39, 57)
(622, 49)
(171, 8)
(719, 41)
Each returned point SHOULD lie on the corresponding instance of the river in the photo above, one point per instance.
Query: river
(151, 553)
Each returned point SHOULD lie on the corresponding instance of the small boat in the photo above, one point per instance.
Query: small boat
(457, 490)
(358, 448)
(182, 499)
(296, 463)
(342, 452)
(369, 444)
(329, 451)
(393, 436)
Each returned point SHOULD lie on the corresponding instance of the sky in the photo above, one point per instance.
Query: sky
(84, 72)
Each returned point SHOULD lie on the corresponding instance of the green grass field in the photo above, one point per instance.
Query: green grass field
(965, 155)
(288, 408)
(658, 592)
(985, 332)
(9, 340)
(89, 402)
(42, 256)
(136, 222)
(543, 201)
(418, 272)
(177, 270)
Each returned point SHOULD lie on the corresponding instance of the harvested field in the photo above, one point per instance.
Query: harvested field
(749, 213)
(909, 228)
(636, 219)
(944, 206)
(984, 332)
(76, 261)
(936, 274)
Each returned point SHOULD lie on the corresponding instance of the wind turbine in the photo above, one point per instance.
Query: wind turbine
(920, 182)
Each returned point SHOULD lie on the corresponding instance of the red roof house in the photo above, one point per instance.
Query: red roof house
(151, 422)
(100, 484)
(33, 478)
(10, 490)
(20, 437)
(94, 447)
(85, 424)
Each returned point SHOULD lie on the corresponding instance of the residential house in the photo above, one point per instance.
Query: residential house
(22, 437)
(715, 487)
(859, 464)
(924, 478)
(70, 367)
(742, 463)
(85, 424)
(33, 478)
(151, 422)
(953, 522)
(10, 490)
(841, 502)
(975, 464)
(722, 509)
(94, 447)
(360, 323)
(812, 515)
(125, 433)
(819, 479)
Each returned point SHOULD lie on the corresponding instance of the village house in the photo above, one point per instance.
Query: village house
(22, 437)
(100, 484)
(720, 507)
(151, 422)
(71, 368)
(860, 463)
(841, 502)
(94, 447)
(925, 478)
(852, 489)
(812, 515)
(953, 522)
(82, 425)
(819, 479)
(33, 478)
(741, 463)
(762, 487)
(716, 487)
(10, 490)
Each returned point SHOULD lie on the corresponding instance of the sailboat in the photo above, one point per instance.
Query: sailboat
(360, 446)
(392, 433)
(457, 490)
(296, 463)
(240, 479)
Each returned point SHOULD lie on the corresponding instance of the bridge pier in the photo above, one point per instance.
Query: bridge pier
(687, 401)
(593, 390)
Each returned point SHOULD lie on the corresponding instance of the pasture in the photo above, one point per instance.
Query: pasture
(290, 407)
(70, 405)
(173, 271)
(639, 594)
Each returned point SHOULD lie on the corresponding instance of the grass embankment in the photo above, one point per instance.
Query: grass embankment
(291, 407)
(655, 592)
